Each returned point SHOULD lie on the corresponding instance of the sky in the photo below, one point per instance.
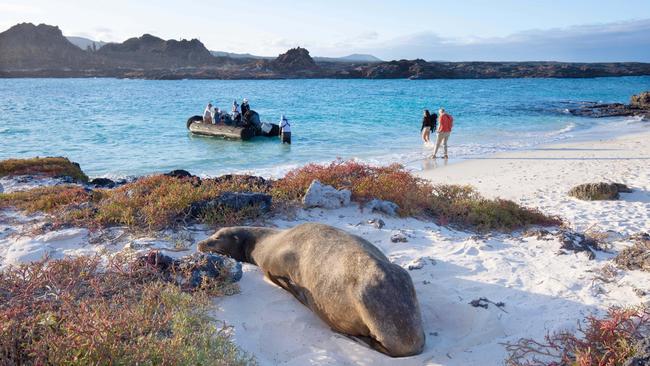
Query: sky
(497, 30)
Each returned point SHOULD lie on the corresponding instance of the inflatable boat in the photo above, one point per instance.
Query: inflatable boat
(228, 129)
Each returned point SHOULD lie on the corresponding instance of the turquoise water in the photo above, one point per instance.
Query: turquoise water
(132, 127)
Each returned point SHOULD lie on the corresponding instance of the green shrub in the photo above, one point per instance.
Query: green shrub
(613, 340)
(78, 312)
(449, 204)
(49, 167)
(49, 199)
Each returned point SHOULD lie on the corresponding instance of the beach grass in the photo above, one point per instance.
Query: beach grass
(48, 199)
(622, 337)
(83, 311)
(159, 201)
(448, 203)
(48, 167)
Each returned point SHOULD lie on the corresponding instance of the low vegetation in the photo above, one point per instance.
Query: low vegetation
(80, 312)
(150, 203)
(620, 338)
(450, 204)
(49, 199)
(636, 256)
(599, 191)
(48, 167)
(158, 202)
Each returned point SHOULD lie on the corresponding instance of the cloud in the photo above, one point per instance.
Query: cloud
(610, 42)
(16, 8)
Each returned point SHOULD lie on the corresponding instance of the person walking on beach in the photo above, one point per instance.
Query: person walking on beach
(444, 130)
(428, 124)
(207, 114)
(285, 130)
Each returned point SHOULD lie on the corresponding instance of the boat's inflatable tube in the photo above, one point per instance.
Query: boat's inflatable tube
(193, 119)
(220, 130)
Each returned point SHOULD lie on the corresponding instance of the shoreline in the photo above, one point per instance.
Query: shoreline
(530, 176)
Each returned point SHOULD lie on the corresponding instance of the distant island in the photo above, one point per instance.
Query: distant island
(28, 50)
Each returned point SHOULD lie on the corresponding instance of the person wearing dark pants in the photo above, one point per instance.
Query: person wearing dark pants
(285, 130)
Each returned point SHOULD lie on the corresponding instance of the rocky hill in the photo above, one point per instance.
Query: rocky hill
(28, 46)
(296, 59)
(27, 50)
(151, 51)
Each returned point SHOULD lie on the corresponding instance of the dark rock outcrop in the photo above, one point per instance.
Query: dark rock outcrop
(641, 101)
(245, 180)
(598, 191)
(296, 59)
(235, 201)
(179, 173)
(184, 174)
(102, 183)
(577, 243)
(190, 272)
(639, 106)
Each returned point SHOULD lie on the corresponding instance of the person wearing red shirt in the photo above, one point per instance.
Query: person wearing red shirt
(446, 123)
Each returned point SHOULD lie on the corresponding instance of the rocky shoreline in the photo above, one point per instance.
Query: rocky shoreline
(27, 50)
(639, 107)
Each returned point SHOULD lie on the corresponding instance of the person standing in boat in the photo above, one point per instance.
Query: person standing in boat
(245, 107)
(207, 114)
(285, 130)
(236, 112)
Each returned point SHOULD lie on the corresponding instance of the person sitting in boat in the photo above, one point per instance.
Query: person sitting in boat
(207, 114)
(285, 130)
(236, 112)
(216, 115)
(245, 107)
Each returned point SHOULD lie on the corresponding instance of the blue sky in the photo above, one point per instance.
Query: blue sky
(576, 30)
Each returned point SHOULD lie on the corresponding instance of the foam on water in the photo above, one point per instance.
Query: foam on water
(116, 128)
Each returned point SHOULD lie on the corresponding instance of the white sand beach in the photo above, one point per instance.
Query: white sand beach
(542, 290)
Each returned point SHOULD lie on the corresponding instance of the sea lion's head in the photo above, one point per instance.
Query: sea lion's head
(230, 241)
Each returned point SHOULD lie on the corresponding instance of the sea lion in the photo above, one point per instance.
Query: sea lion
(345, 280)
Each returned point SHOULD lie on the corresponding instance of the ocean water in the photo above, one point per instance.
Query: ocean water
(118, 128)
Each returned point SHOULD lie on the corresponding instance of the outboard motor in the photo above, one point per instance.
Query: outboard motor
(252, 118)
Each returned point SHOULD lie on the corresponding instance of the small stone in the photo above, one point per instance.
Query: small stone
(377, 223)
(416, 264)
(639, 292)
(386, 207)
(399, 237)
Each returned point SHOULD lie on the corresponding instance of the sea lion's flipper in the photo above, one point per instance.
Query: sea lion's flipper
(288, 285)
(366, 341)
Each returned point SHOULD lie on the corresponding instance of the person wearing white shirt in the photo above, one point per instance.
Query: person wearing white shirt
(285, 130)
(207, 114)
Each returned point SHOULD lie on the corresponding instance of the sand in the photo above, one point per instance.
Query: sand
(542, 290)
